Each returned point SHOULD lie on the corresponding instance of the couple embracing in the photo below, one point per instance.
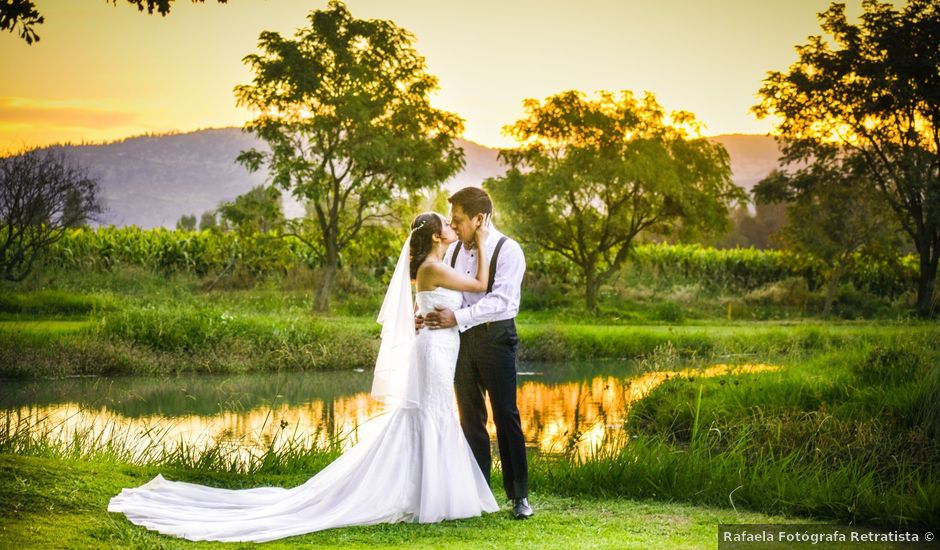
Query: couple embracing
(422, 465)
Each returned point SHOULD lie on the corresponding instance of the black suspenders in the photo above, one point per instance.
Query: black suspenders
(489, 286)
(453, 259)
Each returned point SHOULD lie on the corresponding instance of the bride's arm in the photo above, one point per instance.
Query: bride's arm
(448, 277)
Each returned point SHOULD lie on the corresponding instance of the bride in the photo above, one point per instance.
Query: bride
(417, 468)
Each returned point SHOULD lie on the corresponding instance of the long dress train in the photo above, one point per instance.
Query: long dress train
(417, 468)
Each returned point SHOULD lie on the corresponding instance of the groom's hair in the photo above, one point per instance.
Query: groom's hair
(472, 200)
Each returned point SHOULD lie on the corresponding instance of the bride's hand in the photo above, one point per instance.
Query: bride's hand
(483, 231)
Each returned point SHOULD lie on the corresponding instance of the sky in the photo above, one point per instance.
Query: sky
(102, 72)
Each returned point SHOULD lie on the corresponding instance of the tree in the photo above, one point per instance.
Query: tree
(590, 175)
(187, 223)
(875, 96)
(754, 230)
(835, 215)
(208, 220)
(345, 111)
(24, 13)
(256, 210)
(42, 193)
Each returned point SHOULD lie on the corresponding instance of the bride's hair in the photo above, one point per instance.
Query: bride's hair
(423, 228)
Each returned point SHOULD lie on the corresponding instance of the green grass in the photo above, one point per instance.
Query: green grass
(62, 503)
(53, 301)
(128, 320)
(45, 328)
(559, 342)
(841, 433)
(180, 338)
(848, 430)
(848, 433)
(174, 327)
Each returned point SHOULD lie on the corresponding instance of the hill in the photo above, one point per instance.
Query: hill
(152, 180)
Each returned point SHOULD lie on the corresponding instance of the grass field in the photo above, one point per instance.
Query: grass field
(846, 430)
(56, 503)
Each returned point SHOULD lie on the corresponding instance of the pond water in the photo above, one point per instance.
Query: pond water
(573, 407)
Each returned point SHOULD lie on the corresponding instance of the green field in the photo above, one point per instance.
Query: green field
(54, 503)
(845, 431)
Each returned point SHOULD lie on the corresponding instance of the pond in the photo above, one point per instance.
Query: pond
(564, 407)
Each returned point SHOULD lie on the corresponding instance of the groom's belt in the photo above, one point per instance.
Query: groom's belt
(490, 325)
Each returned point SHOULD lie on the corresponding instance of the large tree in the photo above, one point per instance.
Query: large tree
(873, 94)
(590, 175)
(42, 193)
(345, 110)
(25, 14)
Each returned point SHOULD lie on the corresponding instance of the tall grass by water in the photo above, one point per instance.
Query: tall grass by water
(205, 335)
(845, 433)
(848, 434)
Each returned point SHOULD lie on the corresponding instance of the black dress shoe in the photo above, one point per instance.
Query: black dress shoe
(521, 508)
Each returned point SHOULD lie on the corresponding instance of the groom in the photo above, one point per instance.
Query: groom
(486, 363)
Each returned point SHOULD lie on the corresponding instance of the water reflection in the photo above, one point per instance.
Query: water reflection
(563, 409)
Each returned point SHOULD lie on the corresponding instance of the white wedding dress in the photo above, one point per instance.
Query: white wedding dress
(417, 468)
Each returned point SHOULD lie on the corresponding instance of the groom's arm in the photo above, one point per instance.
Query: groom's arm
(503, 301)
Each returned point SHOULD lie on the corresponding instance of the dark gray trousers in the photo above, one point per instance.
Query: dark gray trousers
(486, 365)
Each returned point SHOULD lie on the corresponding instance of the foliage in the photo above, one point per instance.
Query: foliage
(258, 210)
(345, 110)
(835, 215)
(208, 220)
(186, 223)
(42, 195)
(167, 251)
(205, 253)
(24, 13)
(755, 230)
(591, 175)
(874, 98)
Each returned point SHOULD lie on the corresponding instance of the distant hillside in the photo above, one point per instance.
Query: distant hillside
(151, 181)
(752, 157)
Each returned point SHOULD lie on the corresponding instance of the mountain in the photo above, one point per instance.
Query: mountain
(151, 181)
(752, 157)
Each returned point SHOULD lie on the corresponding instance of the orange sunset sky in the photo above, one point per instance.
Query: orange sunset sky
(102, 72)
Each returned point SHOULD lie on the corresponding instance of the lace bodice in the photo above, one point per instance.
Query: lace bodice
(440, 296)
(437, 352)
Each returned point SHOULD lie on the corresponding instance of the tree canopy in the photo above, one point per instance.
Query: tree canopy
(42, 193)
(590, 175)
(874, 95)
(25, 14)
(258, 210)
(345, 110)
(834, 214)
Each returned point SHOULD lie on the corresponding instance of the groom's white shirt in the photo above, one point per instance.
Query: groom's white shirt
(503, 302)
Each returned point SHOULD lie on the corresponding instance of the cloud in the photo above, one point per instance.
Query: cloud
(63, 114)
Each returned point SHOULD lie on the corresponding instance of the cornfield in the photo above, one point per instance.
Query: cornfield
(210, 252)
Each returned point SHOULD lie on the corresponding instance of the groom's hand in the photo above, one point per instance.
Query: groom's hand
(419, 322)
(441, 317)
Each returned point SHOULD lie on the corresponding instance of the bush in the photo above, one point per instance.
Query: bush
(892, 364)
(669, 312)
(851, 303)
(792, 291)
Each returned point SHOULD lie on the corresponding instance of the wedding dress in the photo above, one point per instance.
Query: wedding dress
(417, 468)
